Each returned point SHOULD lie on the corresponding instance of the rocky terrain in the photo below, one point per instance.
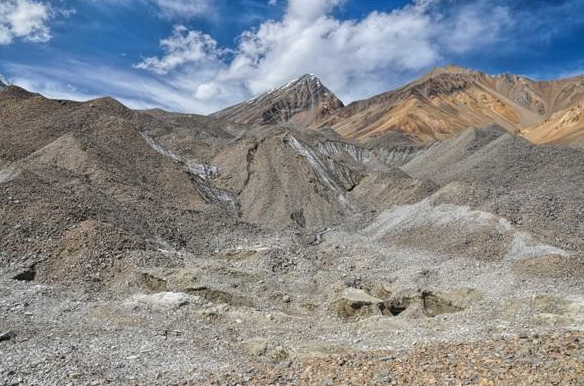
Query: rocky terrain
(526, 360)
(155, 248)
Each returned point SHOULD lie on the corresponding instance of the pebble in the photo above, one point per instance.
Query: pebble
(482, 363)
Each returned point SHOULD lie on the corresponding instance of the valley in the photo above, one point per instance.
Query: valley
(292, 240)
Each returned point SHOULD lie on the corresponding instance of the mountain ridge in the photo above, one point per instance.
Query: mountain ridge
(449, 99)
(437, 105)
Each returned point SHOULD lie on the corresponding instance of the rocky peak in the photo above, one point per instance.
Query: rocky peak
(300, 101)
(450, 70)
(309, 79)
(309, 82)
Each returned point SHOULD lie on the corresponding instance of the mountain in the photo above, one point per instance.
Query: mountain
(300, 101)
(133, 180)
(450, 99)
(161, 234)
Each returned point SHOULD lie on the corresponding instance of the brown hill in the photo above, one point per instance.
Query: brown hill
(450, 99)
(94, 183)
(565, 126)
(534, 186)
(84, 188)
(301, 101)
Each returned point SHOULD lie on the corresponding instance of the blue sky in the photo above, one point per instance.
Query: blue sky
(201, 55)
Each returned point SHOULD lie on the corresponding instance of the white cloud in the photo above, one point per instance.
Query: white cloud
(471, 27)
(310, 10)
(173, 9)
(355, 58)
(137, 90)
(183, 8)
(24, 19)
(207, 91)
(182, 47)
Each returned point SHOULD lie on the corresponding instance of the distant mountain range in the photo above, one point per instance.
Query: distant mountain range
(438, 105)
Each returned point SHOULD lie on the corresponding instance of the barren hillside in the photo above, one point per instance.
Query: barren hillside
(150, 247)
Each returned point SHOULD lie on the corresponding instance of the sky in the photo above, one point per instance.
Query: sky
(199, 56)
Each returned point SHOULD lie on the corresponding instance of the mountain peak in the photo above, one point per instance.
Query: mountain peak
(303, 80)
(309, 78)
(450, 69)
(300, 101)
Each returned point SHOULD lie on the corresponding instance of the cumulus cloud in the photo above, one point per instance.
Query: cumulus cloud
(354, 54)
(181, 48)
(24, 19)
(355, 58)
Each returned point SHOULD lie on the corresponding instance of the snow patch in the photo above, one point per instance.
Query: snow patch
(319, 168)
(330, 148)
(161, 300)
(200, 172)
(204, 171)
(523, 245)
(402, 218)
(8, 174)
(159, 148)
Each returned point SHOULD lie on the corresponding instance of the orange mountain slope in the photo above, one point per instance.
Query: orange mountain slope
(447, 100)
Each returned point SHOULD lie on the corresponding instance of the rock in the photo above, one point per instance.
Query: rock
(257, 349)
(161, 299)
(357, 296)
(357, 303)
(7, 335)
(279, 354)
(27, 274)
(300, 101)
